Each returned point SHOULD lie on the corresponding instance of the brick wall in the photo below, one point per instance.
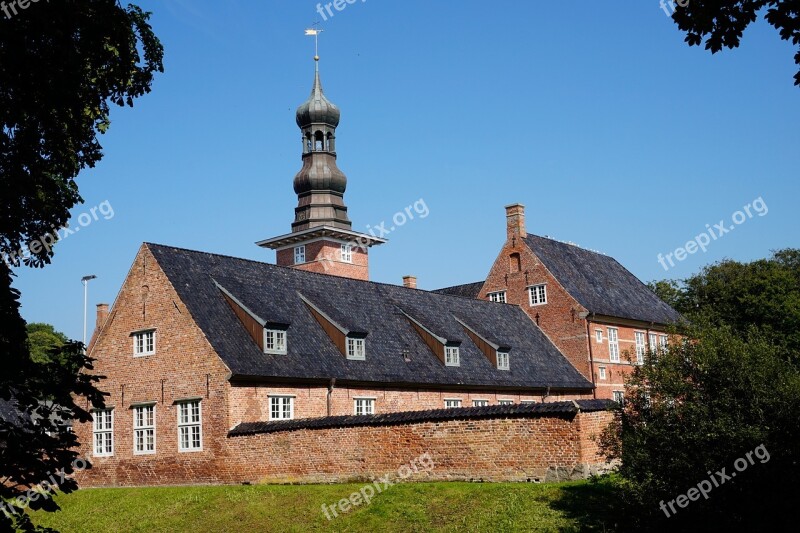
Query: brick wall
(323, 256)
(183, 366)
(250, 403)
(540, 447)
(559, 318)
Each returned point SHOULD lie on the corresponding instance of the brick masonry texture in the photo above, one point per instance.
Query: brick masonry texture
(323, 257)
(185, 366)
(547, 447)
(563, 319)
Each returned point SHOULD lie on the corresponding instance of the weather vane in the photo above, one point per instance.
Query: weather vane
(315, 31)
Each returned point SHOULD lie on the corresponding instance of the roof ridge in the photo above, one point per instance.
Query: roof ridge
(307, 272)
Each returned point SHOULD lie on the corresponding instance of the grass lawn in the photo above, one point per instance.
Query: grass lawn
(574, 506)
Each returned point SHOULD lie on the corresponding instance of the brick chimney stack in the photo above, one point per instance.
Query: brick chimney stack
(410, 282)
(515, 221)
(102, 315)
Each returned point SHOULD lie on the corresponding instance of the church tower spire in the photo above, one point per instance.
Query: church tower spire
(319, 185)
(322, 239)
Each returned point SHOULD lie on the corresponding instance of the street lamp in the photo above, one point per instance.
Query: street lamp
(85, 280)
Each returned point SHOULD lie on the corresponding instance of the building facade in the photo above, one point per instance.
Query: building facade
(220, 369)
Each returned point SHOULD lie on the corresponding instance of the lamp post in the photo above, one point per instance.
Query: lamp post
(85, 280)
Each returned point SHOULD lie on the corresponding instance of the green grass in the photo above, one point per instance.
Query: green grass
(575, 506)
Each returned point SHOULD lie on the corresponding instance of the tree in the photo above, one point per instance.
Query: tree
(763, 293)
(62, 65)
(722, 22)
(696, 409)
(44, 339)
(729, 388)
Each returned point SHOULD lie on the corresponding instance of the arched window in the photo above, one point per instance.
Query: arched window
(319, 141)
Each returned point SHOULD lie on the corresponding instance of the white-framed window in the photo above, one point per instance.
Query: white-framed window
(347, 253)
(451, 356)
(190, 426)
(499, 297)
(480, 403)
(527, 402)
(356, 349)
(281, 407)
(602, 372)
(364, 406)
(451, 403)
(144, 429)
(103, 432)
(641, 347)
(144, 343)
(299, 254)
(662, 342)
(613, 345)
(537, 294)
(503, 362)
(619, 396)
(505, 402)
(598, 336)
(653, 338)
(274, 341)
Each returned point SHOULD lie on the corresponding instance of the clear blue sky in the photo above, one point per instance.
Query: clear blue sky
(596, 115)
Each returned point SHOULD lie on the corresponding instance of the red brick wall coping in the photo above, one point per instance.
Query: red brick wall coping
(411, 417)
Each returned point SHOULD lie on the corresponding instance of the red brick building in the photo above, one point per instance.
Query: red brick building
(601, 317)
(221, 369)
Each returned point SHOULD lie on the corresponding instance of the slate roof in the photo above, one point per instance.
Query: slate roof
(273, 294)
(600, 283)
(408, 417)
(468, 290)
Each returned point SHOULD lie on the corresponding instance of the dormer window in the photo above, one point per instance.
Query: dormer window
(275, 341)
(299, 254)
(503, 361)
(451, 356)
(144, 343)
(347, 253)
(356, 349)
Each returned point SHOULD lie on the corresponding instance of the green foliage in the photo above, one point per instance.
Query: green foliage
(722, 22)
(61, 64)
(731, 386)
(44, 339)
(763, 293)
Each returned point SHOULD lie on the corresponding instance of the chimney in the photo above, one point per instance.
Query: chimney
(410, 282)
(102, 315)
(515, 221)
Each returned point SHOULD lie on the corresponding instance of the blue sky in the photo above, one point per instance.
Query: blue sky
(615, 135)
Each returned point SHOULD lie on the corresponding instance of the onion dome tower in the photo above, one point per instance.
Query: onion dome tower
(322, 239)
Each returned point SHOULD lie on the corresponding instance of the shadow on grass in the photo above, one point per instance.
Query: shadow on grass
(593, 506)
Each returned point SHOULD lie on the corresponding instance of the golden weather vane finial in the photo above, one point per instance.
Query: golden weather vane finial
(315, 31)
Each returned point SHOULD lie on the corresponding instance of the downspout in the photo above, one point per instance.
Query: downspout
(330, 395)
(591, 355)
